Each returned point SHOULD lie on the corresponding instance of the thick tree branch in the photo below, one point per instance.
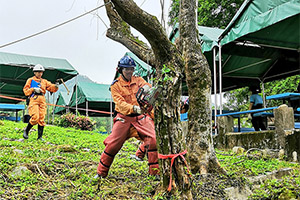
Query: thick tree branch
(147, 25)
(120, 31)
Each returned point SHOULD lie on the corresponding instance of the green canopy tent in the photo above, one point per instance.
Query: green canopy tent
(63, 99)
(261, 43)
(11, 90)
(15, 69)
(92, 96)
(208, 35)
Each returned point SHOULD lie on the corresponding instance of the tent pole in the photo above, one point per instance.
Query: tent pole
(148, 69)
(48, 112)
(111, 117)
(86, 108)
(23, 113)
(53, 108)
(215, 85)
(264, 95)
(76, 82)
(220, 78)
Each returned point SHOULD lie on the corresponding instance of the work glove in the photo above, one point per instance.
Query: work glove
(137, 109)
(37, 90)
(146, 88)
(249, 116)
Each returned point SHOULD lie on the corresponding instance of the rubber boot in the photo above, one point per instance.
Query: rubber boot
(26, 131)
(40, 132)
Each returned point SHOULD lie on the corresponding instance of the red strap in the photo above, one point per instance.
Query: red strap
(173, 156)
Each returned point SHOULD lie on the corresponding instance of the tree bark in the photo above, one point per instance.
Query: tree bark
(169, 64)
(198, 77)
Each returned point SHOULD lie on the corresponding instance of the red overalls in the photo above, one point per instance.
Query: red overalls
(123, 94)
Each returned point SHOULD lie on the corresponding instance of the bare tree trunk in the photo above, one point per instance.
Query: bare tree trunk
(169, 64)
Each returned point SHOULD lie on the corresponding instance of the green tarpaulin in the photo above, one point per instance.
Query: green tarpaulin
(15, 69)
(208, 35)
(279, 19)
(94, 96)
(62, 100)
(15, 91)
(261, 43)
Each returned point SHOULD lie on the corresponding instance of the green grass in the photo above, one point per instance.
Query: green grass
(56, 174)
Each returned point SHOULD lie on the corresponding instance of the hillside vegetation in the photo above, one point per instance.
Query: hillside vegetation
(62, 167)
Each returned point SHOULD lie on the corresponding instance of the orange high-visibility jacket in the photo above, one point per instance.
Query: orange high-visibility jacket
(123, 93)
(45, 85)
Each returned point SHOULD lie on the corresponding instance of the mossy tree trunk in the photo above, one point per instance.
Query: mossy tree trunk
(198, 77)
(170, 66)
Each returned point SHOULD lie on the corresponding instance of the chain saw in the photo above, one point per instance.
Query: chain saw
(147, 100)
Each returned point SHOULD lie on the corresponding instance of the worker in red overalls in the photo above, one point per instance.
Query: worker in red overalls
(35, 88)
(129, 116)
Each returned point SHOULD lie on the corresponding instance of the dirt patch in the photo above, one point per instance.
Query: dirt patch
(211, 186)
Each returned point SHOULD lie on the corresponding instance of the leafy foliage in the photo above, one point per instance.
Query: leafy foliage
(212, 13)
(289, 84)
(103, 124)
(239, 99)
(279, 189)
(71, 120)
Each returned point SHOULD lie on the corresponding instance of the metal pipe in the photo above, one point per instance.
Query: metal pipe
(76, 82)
(264, 95)
(111, 117)
(53, 102)
(86, 108)
(220, 78)
(215, 85)
(48, 106)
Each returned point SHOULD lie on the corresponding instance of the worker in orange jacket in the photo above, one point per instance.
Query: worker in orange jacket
(129, 115)
(35, 88)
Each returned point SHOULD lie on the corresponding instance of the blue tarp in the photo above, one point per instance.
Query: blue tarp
(11, 107)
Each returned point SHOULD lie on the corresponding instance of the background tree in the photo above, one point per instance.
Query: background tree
(211, 13)
(170, 64)
(239, 99)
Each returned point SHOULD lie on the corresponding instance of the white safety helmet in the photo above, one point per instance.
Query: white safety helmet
(38, 68)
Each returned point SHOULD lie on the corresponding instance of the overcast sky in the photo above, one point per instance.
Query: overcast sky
(82, 42)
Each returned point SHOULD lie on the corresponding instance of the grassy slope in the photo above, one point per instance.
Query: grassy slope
(56, 174)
